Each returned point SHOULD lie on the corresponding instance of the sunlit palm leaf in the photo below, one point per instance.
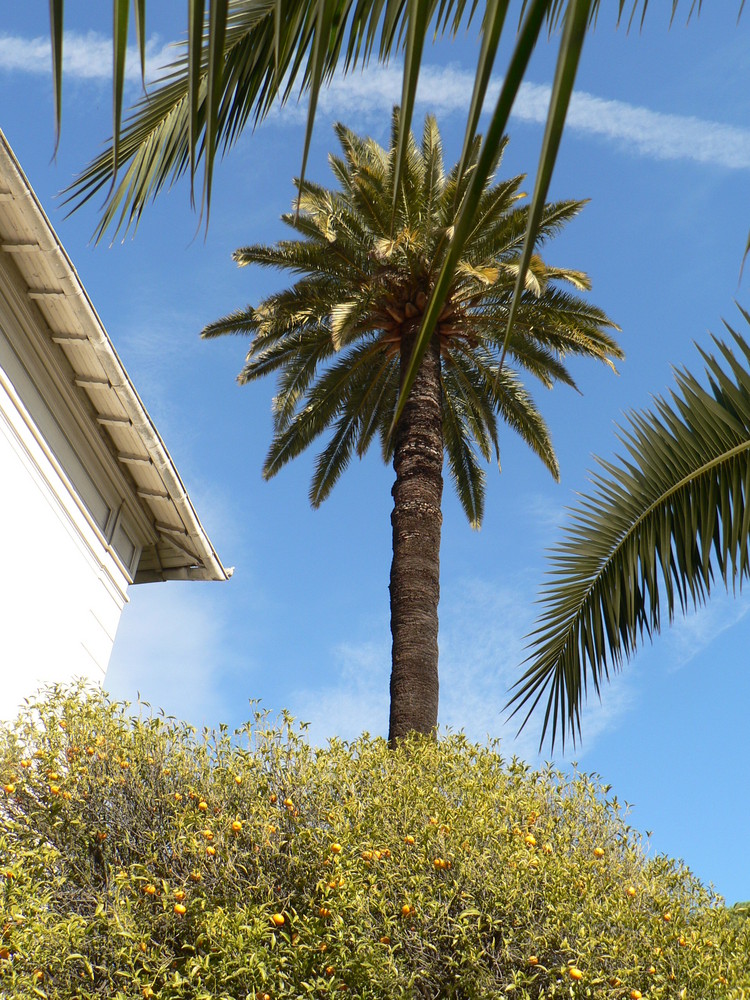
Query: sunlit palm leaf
(140, 36)
(121, 12)
(661, 523)
(56, 38)
(482, 170)
(571, 46)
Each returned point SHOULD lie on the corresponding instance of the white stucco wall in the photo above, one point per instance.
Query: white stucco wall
(61, 588)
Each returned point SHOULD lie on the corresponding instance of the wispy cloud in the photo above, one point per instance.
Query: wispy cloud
(85, 57)
(482, 632)
(443, 89)
(699, 629)
(174, 648)
(447, 90)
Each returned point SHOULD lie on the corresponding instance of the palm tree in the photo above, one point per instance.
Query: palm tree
(342, 336)
(661, 523)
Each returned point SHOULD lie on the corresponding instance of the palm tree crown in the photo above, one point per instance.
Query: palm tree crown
(366, 260)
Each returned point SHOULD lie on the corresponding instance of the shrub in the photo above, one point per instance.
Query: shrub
(140, 860)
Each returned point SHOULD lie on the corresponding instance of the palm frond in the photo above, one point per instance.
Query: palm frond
(661, 523)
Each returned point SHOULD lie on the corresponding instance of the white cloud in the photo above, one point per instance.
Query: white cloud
(85, 57)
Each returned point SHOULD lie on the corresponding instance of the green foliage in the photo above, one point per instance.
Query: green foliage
(438, 870)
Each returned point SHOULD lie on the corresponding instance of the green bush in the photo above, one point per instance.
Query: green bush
(139, 860)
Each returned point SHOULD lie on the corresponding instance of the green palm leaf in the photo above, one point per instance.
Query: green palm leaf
(662, 524)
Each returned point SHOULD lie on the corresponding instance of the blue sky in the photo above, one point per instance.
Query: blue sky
(659, 140)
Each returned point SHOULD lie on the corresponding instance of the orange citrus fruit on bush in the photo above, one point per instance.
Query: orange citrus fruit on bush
(575, 973)
(278, 919)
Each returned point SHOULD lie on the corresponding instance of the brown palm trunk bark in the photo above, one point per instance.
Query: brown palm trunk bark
(415, 569)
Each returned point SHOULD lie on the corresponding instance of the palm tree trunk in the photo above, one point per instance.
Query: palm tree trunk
(415, 569)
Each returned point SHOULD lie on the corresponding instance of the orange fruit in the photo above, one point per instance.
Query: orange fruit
(651, 969)
(532, 960)
(408, 839)
(179, 895)
(667, 917)
(330, 970)
(529, 840)
(150, 890)
(575, 973)
(598, 852)
(54, 789)
(272, 799)
(9, 788)
(210, 851)
(208, 835)
(385, 939)
(202, 805)
(630, 891)
(335, 848)
(4, 953)
(237, 826)
(635, 995)
(180, 909)
(278, 919)
(288, 804)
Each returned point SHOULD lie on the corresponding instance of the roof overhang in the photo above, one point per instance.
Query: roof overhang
(178, 547)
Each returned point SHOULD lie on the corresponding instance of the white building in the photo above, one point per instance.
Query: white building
(90, 500)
